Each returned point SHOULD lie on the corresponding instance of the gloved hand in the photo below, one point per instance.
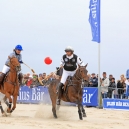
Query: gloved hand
(21, 62)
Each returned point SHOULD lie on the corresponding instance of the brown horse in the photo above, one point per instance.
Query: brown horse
(10, 86)
(72, 91)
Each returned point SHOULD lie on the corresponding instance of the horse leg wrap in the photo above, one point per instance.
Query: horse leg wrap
(80, 115)
(11, 110)
(1, 108)
(10, 105)
(84, 113)
(7, 103)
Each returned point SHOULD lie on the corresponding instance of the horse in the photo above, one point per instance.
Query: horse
(10, 86)
(71, 92)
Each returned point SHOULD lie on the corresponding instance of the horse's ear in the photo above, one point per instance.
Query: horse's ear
(86, 65)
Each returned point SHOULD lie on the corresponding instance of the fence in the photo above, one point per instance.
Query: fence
(116, 93)
(116, 98)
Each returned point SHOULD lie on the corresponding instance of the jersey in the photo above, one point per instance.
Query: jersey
(70, 64)
(18, 56)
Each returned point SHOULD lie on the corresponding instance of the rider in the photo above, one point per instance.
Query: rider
(69, 63)
(6, 68)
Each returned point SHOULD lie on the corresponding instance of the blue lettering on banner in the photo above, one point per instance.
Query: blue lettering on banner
(40, 94)
(122, 104)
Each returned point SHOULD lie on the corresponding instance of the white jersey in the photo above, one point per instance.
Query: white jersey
(69, 73)
(79, 61)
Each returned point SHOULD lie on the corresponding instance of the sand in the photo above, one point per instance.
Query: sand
(30, 116)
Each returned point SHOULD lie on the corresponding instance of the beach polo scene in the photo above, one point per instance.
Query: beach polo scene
(64, 64)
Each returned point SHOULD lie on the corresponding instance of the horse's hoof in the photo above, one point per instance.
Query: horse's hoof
(55, 116)
(84, 115)
(81, 118)
(9, 114)
(4, 114)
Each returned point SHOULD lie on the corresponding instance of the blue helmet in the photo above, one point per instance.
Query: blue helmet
(19, 47)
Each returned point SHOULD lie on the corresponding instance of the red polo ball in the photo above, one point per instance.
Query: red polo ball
(48, 60)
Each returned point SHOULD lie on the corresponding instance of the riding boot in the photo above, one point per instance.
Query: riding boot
(20, 78)
(59, 93)
(2, 76)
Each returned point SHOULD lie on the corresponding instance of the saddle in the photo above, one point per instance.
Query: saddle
(69, 82)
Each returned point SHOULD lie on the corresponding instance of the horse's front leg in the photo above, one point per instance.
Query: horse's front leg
(10, 102)
(80, 111)
(14, 103)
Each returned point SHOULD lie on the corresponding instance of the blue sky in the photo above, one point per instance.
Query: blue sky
(46, 27)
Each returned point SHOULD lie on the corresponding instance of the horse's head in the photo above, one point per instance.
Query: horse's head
(82, 72)
(14, 64)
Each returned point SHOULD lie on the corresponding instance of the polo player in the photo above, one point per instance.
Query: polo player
(16, 53)
(69, 63)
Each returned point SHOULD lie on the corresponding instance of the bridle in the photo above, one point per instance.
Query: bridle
(78, 75)
(14, 67)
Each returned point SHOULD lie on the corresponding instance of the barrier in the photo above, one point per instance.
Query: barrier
(90, 96)
(34, 95)
(41, 95)
(121, 104)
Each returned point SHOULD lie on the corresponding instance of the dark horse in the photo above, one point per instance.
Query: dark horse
(71, 92)
(11, 86)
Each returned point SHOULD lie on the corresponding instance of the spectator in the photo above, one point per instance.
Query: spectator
(40, 79)
(49, 78)
(44, 79)
(104, 85)
(35, 81)
(28, 74)
(24, 79)
(121, 85)
(93, 81)
(29, 81)
(127, 87)
(127, 73)
(89, 76)
(110, 77)
(111, 88)
(44, 75)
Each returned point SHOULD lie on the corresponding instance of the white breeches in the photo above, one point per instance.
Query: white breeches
(5, 69)
(66, 74)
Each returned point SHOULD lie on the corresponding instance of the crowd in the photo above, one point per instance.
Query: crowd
(109, 86)
(35, 80)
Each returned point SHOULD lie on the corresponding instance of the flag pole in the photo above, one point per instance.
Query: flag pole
(99, 87)
(94, 20)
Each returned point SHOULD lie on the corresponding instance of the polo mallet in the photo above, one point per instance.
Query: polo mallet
(29, 67)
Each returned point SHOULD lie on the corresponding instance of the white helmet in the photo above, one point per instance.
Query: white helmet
(69, 48)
